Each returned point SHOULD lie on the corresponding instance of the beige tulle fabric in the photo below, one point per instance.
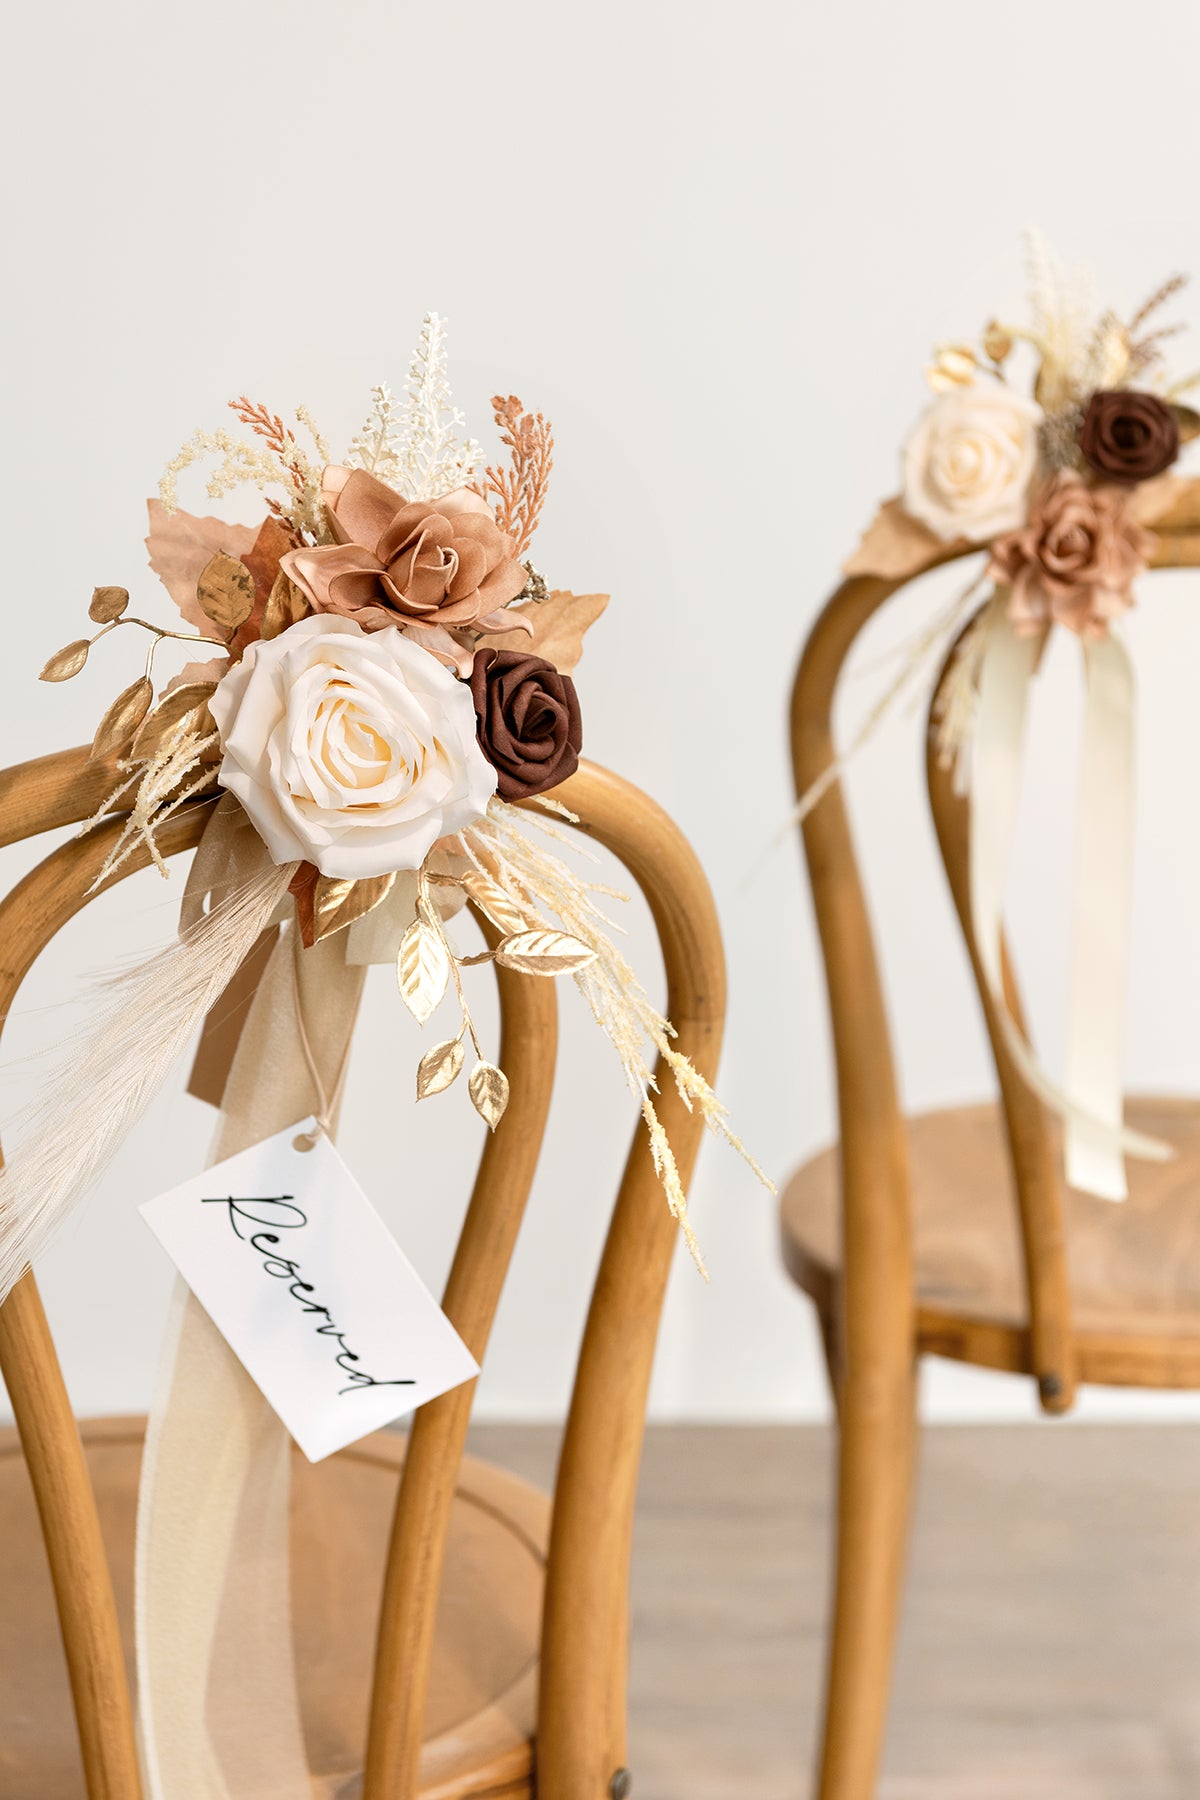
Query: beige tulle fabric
(219, 1714)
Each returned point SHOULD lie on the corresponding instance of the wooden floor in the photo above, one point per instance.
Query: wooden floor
(1051, 1644)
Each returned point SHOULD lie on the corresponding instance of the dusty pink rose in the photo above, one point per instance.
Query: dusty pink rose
(432, 567)
(1074, 560)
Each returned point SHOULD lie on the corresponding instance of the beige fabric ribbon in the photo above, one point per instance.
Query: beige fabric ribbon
(1091, 1102)
(219, 1713)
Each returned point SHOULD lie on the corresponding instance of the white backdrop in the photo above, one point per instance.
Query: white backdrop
(715, 245)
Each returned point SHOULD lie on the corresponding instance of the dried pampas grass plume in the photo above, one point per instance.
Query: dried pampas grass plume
(109, 1071)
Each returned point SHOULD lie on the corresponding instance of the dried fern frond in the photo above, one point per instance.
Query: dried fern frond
(163, 786)
(1158, 299)
(956, 706)
(541, 883)
(278, 459)
(1062, 307)
(518, 492)
(916, 656)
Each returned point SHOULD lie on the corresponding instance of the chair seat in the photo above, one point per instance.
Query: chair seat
(480, 1722)
(1135, 1266)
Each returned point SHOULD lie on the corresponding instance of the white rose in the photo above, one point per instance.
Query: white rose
(969, 463)
(349, 749)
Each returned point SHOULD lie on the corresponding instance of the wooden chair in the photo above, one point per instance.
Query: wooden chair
(906, 1236)
(458, 1633)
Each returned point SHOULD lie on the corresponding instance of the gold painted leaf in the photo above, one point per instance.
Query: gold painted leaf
(488, 1088)
(183, 709)
(66, 662)
(422, 969)
(544, 953)
(337, 902)
(559, 623)
(286, 605)
(122, 719)
(439, 1067)
(491, 899)
(107, 604)
(225, 591)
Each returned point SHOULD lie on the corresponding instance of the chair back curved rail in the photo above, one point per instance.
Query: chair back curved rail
(580, 1750)
(877, 1304)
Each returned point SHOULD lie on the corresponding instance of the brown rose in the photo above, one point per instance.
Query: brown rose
(429, 566)
(1128, 436)
(1074, 560)
(528, 718)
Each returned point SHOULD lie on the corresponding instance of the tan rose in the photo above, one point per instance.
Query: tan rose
(431, 567)
(1074, 562)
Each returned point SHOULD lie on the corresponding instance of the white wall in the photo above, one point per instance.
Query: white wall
(715, 244)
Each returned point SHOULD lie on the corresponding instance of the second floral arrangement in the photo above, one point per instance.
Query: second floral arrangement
(1050, 447)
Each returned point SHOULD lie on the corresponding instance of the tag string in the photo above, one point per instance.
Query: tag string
(327, 1104)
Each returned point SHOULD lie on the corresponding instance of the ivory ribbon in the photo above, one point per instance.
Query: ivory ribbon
(1091, 1104)
(219, 1711)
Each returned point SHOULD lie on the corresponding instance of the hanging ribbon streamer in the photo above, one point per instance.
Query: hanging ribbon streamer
(219, 1712)
(1091, 1103)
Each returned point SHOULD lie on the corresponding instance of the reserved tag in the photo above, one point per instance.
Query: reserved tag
(303, 1279)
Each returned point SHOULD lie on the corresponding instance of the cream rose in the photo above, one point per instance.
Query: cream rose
(352, 750)
(969, 463)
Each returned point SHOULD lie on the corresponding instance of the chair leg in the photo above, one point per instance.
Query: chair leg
(876, 1456)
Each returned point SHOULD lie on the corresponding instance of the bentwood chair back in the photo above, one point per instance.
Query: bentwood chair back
(951, 1234)
(523, 1662)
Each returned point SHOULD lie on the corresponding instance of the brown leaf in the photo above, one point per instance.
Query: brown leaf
(439, 1067)
(544, 953)
(66, 662)
(122, 719)
(183, 708)
(488, 1088)
(225, 591)
(422, 969)
(107, 604)
(895, 545)
(262, 560)
(338, 902)
(559, 623)
(286, 605)
(180, 545)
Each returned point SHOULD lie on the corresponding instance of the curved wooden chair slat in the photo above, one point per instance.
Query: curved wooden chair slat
(581, 1731)
(874, 1323)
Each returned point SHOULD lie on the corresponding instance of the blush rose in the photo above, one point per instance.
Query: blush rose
(1074, 562)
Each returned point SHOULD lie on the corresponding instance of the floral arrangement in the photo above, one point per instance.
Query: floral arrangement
(1052, 479)
(382, 684)
(1050, 448)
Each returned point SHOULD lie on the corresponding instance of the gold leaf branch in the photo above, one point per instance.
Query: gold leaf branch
(536, 880)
